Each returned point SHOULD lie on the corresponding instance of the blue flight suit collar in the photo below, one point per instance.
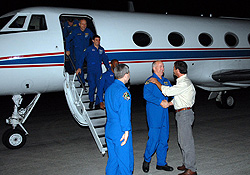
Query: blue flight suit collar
(100, 47)
(119, 82)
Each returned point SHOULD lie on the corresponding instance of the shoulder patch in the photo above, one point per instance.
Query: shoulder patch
(165, 83)
(126, 96)
(147, 82)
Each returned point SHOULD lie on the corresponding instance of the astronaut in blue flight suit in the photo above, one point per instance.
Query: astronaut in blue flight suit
(68, 27)
(94, 55)
(118, 129)
(81, 37)
(106, 80)
(158, 120)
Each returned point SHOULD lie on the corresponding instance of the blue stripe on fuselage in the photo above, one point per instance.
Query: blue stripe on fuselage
(34, 60)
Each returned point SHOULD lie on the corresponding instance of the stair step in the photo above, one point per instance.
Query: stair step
(99, 122)
(100, 131)
(103, 141)
(96, 113)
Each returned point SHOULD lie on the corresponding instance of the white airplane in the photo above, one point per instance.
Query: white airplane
(217, 51)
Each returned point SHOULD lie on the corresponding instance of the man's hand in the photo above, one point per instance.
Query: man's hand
(170, 104)
(125, 138)
(102, 105)
(164, 104)
(68, 53)
(155, 81)
(78, 71)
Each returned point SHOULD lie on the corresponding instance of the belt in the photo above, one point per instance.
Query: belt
(182, 109)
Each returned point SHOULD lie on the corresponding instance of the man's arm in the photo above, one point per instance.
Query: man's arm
(79, 63)
(156, 82)
(68, 40)
(105, 60)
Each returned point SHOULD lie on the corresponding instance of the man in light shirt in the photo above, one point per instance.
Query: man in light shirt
(184, 98)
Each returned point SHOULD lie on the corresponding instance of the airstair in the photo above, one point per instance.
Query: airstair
(78, 102)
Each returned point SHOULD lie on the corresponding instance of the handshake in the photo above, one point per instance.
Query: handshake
(165, 104)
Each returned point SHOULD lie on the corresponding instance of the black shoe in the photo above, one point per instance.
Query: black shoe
(145, 166)
(97, 106)
(165, 168)
(91, 105)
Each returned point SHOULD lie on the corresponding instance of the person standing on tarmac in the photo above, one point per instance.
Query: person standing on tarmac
(94, 55)
(158, 120)
(81, 38)
(118, 129)
(106, 80)
(184, 99)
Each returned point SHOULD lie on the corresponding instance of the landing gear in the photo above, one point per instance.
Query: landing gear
(15, 138)
(225, 100)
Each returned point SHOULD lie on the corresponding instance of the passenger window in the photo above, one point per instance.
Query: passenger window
(231, 39)
(142, 39)
(37, 22)
(18, 23)
(205, 39)
(176, 39)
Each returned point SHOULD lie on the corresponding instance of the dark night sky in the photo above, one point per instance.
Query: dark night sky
(230, 8)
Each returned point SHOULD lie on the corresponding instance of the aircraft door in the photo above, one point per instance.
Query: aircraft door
(69, 23)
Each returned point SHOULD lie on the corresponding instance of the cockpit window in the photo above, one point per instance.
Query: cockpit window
(18, 23)
(4, 21)
(37, 22)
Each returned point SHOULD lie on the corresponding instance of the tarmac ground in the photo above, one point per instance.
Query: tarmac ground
(57, 145)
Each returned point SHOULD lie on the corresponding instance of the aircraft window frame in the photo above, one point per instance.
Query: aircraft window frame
(229, 41)
(42, 23)
(5, 20)
(174, 39)
(248, 38)
(205, 39)
(142, 38)
(18, 23)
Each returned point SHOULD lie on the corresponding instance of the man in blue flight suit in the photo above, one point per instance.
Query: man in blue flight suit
(94, 55)
(106, 80)
(68, 27)
(118, 129)
(158, 120)
(81, 37)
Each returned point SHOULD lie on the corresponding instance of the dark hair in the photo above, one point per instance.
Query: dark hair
(70, 19)
(96, 36)
(114, 61)
(121, 70)
(182, 66)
